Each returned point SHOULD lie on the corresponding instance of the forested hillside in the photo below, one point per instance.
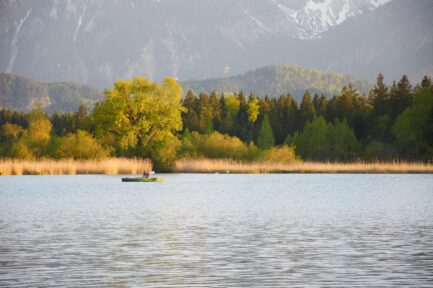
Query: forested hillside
(277, 80)
(20, 93)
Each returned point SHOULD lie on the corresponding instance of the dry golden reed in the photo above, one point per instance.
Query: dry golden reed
(69, 166)
(231, 166)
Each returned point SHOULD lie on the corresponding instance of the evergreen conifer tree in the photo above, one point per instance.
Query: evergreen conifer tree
(266, 138)
(306, 110)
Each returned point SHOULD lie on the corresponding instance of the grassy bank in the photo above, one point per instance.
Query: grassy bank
(114, 166)
(68, 166)
(230, 166)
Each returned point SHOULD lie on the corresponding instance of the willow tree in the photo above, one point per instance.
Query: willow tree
(139, 118)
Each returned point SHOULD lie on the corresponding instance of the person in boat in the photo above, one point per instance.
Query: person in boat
(146, 174)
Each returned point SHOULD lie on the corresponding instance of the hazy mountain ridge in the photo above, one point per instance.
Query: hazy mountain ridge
(279, 80)
(20, 93)
(95, 42)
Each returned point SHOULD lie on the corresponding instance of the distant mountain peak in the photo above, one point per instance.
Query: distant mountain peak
(96, 42)
(316, 17)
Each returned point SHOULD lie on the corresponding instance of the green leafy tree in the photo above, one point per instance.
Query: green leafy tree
(138, 116)
(253, 110)
(39, 130)
(414, 127)
(312, 143)
(377, 150)
(342, 143)
(38, 133)
(164, 152)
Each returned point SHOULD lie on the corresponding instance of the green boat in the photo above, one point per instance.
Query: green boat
(142, 179)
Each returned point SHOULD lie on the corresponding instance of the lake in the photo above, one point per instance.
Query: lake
(198, 230)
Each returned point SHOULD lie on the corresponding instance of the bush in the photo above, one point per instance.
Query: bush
(20, 150)
(280, 154)
(216, 145)
(80, 145)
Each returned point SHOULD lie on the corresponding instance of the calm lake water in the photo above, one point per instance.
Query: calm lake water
(217, 231)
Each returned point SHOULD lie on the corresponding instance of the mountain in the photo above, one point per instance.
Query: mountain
(278, 80)
(96, 42)
(20, 93)
(395, 39)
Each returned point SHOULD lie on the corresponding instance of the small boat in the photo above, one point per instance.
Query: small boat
(142, 179)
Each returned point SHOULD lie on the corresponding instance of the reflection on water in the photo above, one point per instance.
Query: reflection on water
(217, 231)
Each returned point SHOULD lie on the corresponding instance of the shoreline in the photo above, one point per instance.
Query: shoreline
(235, 167)
(134, 166)
(109, 166)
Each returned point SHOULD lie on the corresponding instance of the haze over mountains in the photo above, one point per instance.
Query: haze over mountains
(95, 42)
(279, 80)
(20, 93)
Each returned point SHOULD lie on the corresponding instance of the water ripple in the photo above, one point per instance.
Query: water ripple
(217, 231)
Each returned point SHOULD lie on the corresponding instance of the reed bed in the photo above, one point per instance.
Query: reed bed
(109, 166)
(231, 166)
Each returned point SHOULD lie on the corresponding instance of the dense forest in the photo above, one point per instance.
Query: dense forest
(387, 123)
(140, 118)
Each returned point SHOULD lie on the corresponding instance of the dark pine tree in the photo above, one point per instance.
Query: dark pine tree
(379, 97)
(190, 117)
(241, 124)
(306, 110)
(400, 97)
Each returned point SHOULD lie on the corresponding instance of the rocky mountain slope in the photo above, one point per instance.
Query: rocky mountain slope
(95, 42)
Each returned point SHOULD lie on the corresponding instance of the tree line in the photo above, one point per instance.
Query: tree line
(387, 123)
(140, 118)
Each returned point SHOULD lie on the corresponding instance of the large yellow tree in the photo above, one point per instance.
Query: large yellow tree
(139, 117)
